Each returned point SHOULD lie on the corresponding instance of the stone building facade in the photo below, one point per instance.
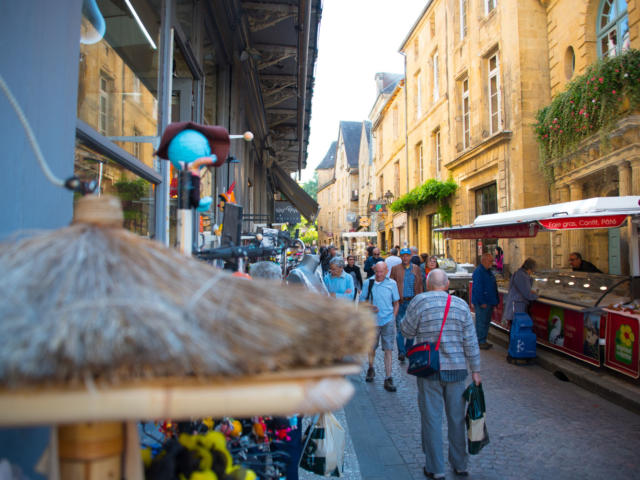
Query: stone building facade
(338, 184)
(477, 73)
(390, 168)
(603, 28)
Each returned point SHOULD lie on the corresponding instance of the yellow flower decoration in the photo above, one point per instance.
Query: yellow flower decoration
(626, 335)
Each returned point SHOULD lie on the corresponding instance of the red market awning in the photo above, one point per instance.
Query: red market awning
(599, 212)
(577, 223)
(518, 230)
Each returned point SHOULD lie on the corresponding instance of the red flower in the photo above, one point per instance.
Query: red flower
(560, 131)
(601, 80)
(613, 91)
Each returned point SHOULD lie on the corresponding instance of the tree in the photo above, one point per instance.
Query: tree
(311, 187)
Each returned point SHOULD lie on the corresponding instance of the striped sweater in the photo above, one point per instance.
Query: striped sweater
(459, 343)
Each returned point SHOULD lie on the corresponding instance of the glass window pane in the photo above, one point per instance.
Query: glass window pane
(608, 14)
(624, 34)
(118, 76)
(622, 6)
(136, 194)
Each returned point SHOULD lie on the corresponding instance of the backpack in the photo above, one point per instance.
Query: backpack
(370, 291)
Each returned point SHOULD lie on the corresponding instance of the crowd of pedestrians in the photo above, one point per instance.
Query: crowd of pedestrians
(409, 295)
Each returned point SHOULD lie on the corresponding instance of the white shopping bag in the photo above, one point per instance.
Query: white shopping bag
(324, 454)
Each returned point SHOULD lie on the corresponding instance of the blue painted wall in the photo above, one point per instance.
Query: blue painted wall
(39, 49)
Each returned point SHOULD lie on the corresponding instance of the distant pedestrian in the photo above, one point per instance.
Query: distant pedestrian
(392, 260)
(520, 291)
(499, 260)
(371, 261)
(443, 389)
(484, 296)
(415, 258)
(407, 277)
(352, 269)
(338, 282)
(382, 293)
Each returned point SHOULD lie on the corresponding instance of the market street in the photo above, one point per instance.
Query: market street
(540, 428)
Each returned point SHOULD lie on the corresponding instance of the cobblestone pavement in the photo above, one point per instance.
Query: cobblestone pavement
(540, 427)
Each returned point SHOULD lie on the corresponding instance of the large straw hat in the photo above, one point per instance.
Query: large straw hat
(94, 302)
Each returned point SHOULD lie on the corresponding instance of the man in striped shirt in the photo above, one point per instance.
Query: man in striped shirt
(458, 347)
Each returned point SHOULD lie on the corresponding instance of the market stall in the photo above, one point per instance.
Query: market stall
(570, 315)
(355, 243)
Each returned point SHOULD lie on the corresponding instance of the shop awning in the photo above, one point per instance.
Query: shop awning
(599, 212)
(300, 199)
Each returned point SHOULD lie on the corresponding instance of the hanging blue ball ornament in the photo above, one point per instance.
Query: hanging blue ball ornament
(205, 204)
(187, 146)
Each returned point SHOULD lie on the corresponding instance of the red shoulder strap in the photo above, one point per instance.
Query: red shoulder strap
(446, 312)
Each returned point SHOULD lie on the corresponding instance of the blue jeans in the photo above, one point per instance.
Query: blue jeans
(403, 345)
(433, 395)
(483, 318)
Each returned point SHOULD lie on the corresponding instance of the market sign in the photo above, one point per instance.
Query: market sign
(574, 223)
(520, 230)
(285, 212)
(377, 206)
(622, 340)
(364, 221)
(572, 332)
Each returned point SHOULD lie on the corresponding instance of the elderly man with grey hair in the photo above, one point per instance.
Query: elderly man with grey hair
(339, 283)
(443, 389)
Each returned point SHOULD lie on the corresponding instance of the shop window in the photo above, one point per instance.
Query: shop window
(437, 238)
(612, 28)
(487, 200)
(135, 192)
(117, 101)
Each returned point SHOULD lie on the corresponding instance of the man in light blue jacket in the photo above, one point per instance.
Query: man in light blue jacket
(338, 282)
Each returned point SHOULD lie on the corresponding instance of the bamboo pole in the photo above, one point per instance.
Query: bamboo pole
(179, 399)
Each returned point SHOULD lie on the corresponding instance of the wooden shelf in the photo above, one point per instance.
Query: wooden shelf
(281, 393)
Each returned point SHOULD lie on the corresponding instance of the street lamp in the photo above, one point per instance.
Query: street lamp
(388, 196)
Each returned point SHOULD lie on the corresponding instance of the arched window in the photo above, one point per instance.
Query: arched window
(612, 28)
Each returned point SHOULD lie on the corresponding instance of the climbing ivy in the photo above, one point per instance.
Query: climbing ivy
(592, 103)
(431, 191)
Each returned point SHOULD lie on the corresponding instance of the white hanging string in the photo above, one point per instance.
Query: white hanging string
(30, 135)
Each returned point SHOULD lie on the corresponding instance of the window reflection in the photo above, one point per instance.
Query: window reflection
(118, 76)
(135, 193)
(613, 28)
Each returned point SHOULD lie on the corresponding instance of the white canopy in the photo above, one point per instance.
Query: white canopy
(359, 234)
(597, 206)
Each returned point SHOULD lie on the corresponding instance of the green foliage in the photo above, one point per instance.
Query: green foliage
(307, 231)
(591, 103)
(130, 190)
(311, 187)
(430, 191)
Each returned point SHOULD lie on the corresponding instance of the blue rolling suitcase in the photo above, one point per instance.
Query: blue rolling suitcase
(522, 340)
